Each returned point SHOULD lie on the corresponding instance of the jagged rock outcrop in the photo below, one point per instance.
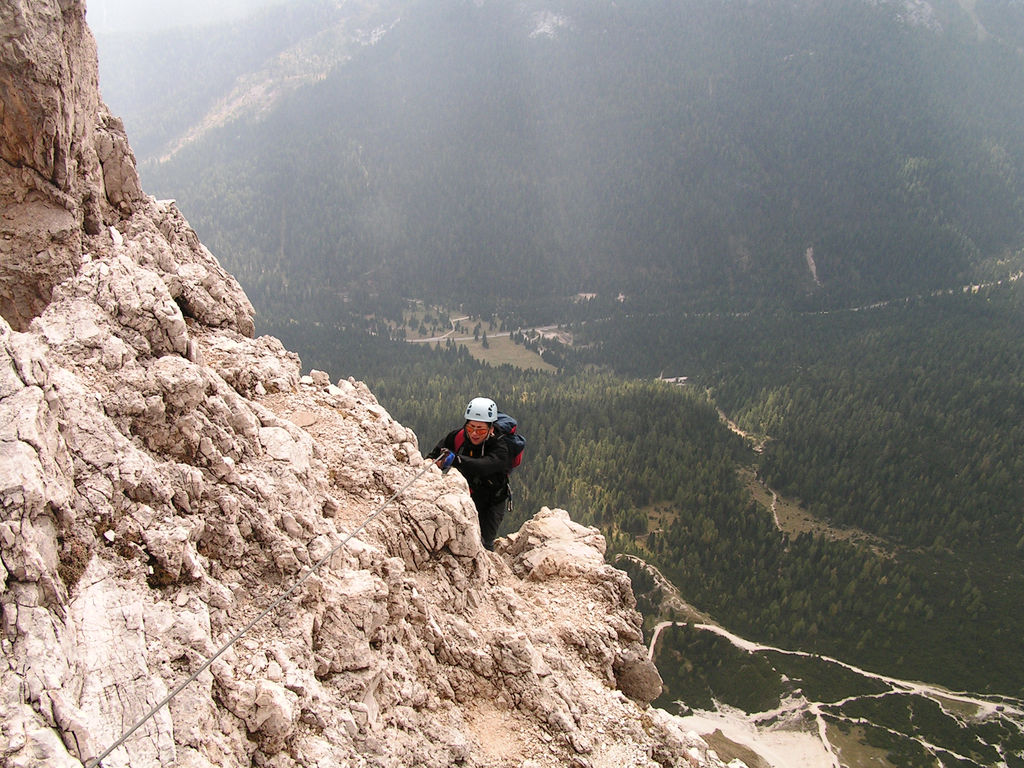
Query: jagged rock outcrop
(68, 173)
(166, 478)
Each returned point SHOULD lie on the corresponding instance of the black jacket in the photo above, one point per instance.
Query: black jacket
(484, 466)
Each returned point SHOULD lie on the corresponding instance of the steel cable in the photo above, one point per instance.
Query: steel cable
(97, 761)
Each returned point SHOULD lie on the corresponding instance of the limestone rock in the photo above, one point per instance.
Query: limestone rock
(637, 677)
(252, 367)
(117, 161)
(551, 544)
(49, 173)
(68, 178)
(136, 302)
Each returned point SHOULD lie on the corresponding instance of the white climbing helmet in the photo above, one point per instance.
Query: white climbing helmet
(481, 409)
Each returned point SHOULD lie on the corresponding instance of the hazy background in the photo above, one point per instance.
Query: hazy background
(107, 16)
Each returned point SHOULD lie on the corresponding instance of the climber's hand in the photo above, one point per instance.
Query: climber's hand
(445, 460)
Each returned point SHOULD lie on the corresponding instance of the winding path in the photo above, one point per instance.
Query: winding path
(1008, 710)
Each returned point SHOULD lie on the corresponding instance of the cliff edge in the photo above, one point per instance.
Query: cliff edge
(174, 490)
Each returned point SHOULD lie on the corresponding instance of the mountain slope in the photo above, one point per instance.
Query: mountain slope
(176, 85)
(693, 151)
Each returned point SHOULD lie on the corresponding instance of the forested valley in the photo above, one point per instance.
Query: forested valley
(695, 151)
(780, 201)
(901, 421)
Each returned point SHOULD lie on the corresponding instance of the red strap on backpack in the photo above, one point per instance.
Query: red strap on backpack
(514, 460)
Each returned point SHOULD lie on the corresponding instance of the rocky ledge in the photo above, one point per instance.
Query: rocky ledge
(155, 502)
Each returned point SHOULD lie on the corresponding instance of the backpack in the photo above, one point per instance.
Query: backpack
(505, 428)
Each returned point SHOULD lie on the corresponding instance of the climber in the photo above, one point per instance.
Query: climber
(482, 457)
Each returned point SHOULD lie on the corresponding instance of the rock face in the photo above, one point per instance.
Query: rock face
(166, 480)
(68, 173)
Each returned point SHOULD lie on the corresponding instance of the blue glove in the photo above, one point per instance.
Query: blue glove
(445, 461)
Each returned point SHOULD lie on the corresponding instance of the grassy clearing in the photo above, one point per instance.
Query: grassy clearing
(501, 350)
(659, 518)
(429, 317)
(793, 519)
(854, 750)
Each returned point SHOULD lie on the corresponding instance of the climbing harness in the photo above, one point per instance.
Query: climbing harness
(95, 762)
